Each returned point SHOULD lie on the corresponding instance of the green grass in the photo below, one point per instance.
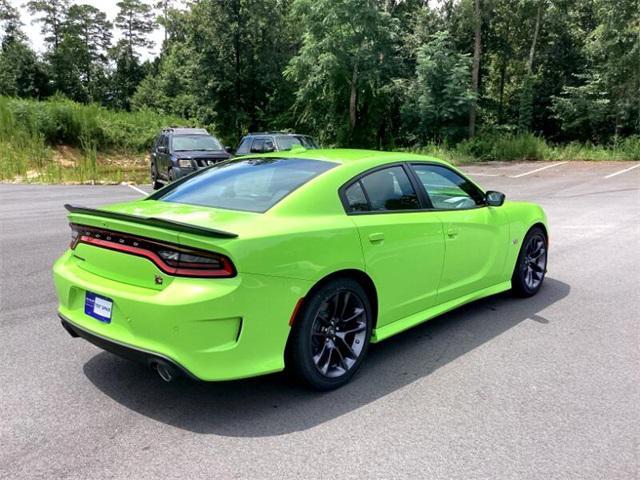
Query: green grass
(31, 131)
(518, 147)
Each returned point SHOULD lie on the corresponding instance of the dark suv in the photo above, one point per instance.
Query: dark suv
(177, 152)
(264, 142)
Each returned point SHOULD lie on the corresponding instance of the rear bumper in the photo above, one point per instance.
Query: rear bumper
(214, 329)
(121, 349)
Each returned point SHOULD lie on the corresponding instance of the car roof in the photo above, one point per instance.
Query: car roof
(346, 156)
(186, 131)
(255, 134)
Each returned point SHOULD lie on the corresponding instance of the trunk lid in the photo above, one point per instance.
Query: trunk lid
(178, 224)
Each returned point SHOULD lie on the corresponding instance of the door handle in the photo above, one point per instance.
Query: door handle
(376, 237)
(452, 232)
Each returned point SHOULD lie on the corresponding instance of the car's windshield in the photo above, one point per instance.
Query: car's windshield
(289, 141)
(253, 185)
(195, 142)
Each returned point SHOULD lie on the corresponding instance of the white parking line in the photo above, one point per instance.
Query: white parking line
(139, 190)
(538, 169)
(482, 174)
(622, 171)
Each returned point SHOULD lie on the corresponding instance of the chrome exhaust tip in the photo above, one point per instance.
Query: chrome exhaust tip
(166, 372)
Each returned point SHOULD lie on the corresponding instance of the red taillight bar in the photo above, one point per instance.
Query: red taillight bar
(143, 247)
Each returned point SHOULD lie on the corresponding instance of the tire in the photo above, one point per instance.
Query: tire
(531, 266)
(155, 183)
(330, 335)
(172, 175)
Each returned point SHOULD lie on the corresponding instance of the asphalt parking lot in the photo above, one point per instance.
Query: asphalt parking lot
(543, 388)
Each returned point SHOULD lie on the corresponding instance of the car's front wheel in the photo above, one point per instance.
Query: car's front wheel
(531, 265)
(330, 335)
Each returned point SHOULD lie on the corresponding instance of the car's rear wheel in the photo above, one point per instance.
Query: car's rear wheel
(330, 336)
(531, 265)
(155, 183)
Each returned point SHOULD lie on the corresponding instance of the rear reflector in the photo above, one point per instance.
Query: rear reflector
(295, 312)
(171, 259)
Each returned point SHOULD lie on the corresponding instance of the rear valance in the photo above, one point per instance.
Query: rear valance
(151, 221)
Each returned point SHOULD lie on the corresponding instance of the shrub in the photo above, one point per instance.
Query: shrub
(524, 146)
(61, 121)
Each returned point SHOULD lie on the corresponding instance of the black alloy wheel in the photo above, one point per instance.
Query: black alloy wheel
(330, 335)
(531, 266)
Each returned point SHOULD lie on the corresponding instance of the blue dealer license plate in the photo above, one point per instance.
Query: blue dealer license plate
(98, 307)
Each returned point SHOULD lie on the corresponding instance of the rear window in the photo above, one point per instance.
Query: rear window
(195, 142)
(253, 185)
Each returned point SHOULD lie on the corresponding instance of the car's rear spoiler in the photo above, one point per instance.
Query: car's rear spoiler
(152, 221)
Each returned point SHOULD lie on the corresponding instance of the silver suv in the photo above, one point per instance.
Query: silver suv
(263, 142)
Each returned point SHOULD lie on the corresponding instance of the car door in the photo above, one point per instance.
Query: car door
(163, 157)
(402, 244)
(476, 236)
(154, 151)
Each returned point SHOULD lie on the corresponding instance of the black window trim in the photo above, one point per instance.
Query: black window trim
(423, 197)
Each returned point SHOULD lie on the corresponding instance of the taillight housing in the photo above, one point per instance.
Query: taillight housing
(172, 259)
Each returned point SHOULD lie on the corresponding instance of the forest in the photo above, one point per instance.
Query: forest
(479, 79)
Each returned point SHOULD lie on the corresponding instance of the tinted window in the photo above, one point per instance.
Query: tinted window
(194, 142)
(268, 145)
(356, 199)
(289, 141)
(257, 146)
(254, 185)
(390, 189)
(243, 148)
(447, 189)
(309, 142)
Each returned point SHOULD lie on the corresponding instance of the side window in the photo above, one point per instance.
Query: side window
(389, 189)
(243, 148)
(269, 146)
(258, 145)
(447, 189)
(356, 199)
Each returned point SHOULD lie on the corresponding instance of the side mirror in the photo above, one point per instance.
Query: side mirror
(162, 149)
(494, 199)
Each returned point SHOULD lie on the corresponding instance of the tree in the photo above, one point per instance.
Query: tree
(21, 74)
(128, 74)
(344, 68)
(87, 38)
(475, 72)
(136, 21)
(52, 15)
(601, 101)
(526, 96)
(10, 22)
(235, 52)
(439, 97)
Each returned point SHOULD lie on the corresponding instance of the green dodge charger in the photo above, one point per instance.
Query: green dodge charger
(295, 260)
